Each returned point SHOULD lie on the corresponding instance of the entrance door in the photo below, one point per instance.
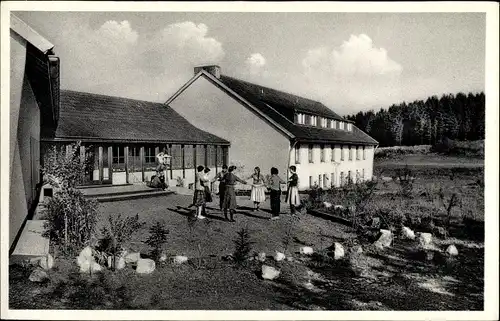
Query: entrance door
(98, 170)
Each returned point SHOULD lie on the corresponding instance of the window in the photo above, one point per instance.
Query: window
(324, 122)
(211, 155)
(301, 119)
(332, 123)
(134, 159)
(297, 154)
(357, 176)
(310, 181)
(364, 153)
(357, 152)
(349, 176)
(322, 153)
(363, 175)
(320, 182)
(342, 153)
(349, 127)
(325, 180)
(149, 155)
(176, 153)
(188, 156)
(332, 155)
(118, 155)
(313, 120)
(342, 179)
(220, 156)
(310, 154)
(200, 155)
(332, 182)
(350, 153)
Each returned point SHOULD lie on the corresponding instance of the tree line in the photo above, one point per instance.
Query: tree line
(457, 117)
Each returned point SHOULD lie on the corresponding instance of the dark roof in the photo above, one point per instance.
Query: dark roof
(265, 102)
(96, 117)
(282, 99)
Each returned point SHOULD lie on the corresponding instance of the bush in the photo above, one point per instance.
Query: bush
(394, 151)
(405, 179)
(157, 239)
(465, 148)
(62, 169)
(71, 218)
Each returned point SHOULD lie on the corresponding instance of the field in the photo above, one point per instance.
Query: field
(396, 278)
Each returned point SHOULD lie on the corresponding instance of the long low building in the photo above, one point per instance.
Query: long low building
(271, 128)
(123, 137)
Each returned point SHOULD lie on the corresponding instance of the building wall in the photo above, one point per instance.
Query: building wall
(307, 170)
(24, 136)
(253, 141)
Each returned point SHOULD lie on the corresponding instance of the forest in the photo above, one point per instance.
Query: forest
(457, 117)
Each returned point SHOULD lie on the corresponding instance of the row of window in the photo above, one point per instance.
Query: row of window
(311, 120)
(212, 156)
(324, 181)
(359, 150)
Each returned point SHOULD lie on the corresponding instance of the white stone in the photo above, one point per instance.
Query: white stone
(119, 262)
(86, 254)
(289, 259)
(452, 250)
(357, 249)
(261, 256)
(338, 251)
(95, 267)
(132, 257)
(269, 273)
(385, 239)
(425, 240)
(163, 257)
(38, 275)
(46, 262)
(386, 179)
(407, 233)
(279, 256)
(327, 204)
(375, 222)
(179, 259)
(307, 250)
(145, 266)
(338, 207)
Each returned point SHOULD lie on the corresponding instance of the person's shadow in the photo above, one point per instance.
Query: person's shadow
(248, 211)
(184, 211)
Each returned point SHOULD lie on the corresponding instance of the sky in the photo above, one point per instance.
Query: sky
(349, 61)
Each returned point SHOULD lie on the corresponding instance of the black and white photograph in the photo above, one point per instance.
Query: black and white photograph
(249, 158)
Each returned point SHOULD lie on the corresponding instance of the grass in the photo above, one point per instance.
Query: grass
(394, 279)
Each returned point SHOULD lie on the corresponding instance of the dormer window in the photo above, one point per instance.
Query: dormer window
(349, 126)
(313, 121)
(301, 119)
(333, 124)
(341, 125)
(324, 122)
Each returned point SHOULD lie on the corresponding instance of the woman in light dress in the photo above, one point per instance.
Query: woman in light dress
(292, 196)
(258, 193)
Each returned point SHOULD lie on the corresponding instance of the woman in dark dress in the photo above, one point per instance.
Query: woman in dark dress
(222, 184)
(275, 192)
(229, 202)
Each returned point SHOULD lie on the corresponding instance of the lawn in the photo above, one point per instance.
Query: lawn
(396, 278)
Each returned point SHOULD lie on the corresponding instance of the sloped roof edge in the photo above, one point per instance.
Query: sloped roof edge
(29, 34)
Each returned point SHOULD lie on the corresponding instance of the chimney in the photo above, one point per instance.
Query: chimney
(214, 70)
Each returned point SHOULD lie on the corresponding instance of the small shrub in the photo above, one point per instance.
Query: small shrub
(157, 239)
(243, 246)
(405, 179)
(71, 219)
(118, 232)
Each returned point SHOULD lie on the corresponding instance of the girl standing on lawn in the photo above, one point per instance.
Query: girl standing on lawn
(199, 192)
(275, 190)
(222, 184)
(258, 193)
(292, 196)
(229, 193)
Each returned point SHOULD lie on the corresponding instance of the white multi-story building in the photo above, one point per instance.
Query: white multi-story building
(270, 128)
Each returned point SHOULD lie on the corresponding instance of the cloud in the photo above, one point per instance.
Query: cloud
(356, 75)
(114, 59)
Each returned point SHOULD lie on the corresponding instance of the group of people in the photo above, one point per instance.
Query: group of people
(227, 194)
